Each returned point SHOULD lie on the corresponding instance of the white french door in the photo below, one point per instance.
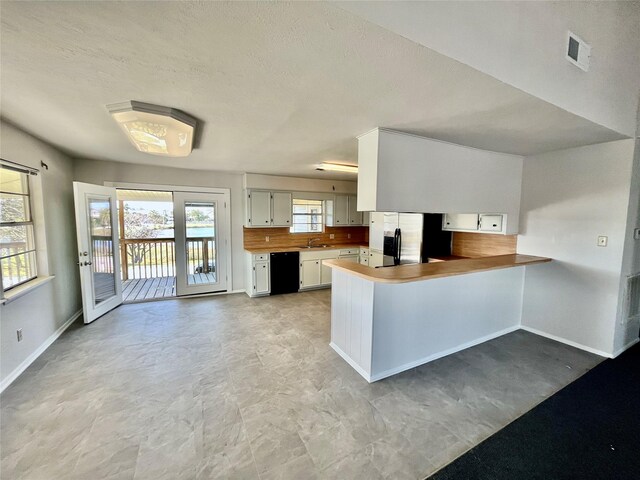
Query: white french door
(200, 221)
(98, 249)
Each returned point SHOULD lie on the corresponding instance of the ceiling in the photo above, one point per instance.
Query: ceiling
(278, 87)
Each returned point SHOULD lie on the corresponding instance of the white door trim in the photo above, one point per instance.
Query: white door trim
(86, 260)
(183, 188)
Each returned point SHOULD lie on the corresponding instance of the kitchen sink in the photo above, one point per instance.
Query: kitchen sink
(315, 246)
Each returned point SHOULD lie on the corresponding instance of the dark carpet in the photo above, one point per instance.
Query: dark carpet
(588, 430)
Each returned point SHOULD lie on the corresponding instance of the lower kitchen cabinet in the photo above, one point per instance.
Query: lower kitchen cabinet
(258, 275)
(310, 273)
(261, 277)
(313, 274)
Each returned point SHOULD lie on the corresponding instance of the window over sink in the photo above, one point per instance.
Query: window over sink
(308, 216)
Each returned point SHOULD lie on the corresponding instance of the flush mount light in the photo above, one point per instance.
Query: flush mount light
(338, 167)
(155, 129)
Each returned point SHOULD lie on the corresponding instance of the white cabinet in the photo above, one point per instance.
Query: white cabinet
(350, 258)
(261, 277)
(355, 217)
(268, 209)
(474, 222)
(376, 258)
(259, 209)
(313, 273)
(376, 231)
(310, 273)
(281, 203)
(460, 221)
(490, 223)
(258, 275)
(364, 256)
(342, 211)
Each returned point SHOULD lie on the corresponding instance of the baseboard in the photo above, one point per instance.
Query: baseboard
(567, 342)
(626, 347)
(39, 351)
(444, 353)
(350, 361)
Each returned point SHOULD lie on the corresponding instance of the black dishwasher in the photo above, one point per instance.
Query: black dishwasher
(285, 272)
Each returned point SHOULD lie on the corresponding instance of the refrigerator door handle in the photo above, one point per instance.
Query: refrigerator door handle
(399, 245)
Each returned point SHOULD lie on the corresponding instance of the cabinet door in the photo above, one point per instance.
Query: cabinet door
(376, 259)
(460, 221)
(365, 219)
(281, 209)
(310, 273)
(341, 211)
(490, 223)
(355, 217)
(325, 274)
(259, 208)
(261, 277)
(376, 231)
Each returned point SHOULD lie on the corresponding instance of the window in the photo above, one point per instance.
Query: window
(307, 216)
(17, 242)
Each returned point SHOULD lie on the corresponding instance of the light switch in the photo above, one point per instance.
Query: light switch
(602, 241)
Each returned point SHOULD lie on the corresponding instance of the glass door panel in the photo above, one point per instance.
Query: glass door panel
(101, 248)
(200, 222)
(98, 248)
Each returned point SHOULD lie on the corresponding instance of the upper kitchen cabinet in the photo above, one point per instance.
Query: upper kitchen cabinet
(399, 172)
(268, 209)
(281, 204)
(344, 212)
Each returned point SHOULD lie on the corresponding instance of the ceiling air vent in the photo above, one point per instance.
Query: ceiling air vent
(578, 51)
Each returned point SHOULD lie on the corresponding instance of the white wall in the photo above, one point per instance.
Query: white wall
(44, 310)
(569, 198)
(418, 174)
(524, 44)
(275, 182)
(627, 329)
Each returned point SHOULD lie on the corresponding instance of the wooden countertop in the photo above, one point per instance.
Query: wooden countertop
(339, 246)
(427, 271)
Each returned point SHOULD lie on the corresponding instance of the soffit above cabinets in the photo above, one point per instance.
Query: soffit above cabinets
(279, 87)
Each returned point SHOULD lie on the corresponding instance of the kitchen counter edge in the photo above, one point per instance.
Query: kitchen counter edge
(428, 271)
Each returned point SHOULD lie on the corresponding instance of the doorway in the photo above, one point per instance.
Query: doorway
(167, 243)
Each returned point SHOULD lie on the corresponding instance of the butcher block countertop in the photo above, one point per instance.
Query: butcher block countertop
(339, 246)
(427, 271)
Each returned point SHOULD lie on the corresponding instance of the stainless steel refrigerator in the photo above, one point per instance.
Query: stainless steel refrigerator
(402, 243)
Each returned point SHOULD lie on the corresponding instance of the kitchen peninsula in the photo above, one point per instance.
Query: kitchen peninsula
(388, 320)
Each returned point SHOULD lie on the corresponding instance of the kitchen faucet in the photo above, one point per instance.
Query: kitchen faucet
(311, 240)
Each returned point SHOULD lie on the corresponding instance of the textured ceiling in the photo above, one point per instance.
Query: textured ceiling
(278, 87)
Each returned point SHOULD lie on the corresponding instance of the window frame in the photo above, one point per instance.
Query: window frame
(27, 172)
(321, 215)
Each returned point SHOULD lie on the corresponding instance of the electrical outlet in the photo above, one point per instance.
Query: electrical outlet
(348, 235)
(332, 236)
(266, 239)
(636, 233)
(602, 241)
(19, 334)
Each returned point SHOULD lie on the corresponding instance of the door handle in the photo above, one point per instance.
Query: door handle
(87, 263)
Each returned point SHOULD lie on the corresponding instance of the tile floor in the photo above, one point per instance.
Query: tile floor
(233, 387)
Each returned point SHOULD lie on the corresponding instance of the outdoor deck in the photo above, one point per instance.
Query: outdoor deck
(141, 289)
(148, 288)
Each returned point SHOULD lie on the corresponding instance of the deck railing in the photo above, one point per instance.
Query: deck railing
(156, 257)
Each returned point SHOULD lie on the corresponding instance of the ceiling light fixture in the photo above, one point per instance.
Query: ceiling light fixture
(155, 129)
(338, 167)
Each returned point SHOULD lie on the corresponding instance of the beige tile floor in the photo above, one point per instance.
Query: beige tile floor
(233, 387)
